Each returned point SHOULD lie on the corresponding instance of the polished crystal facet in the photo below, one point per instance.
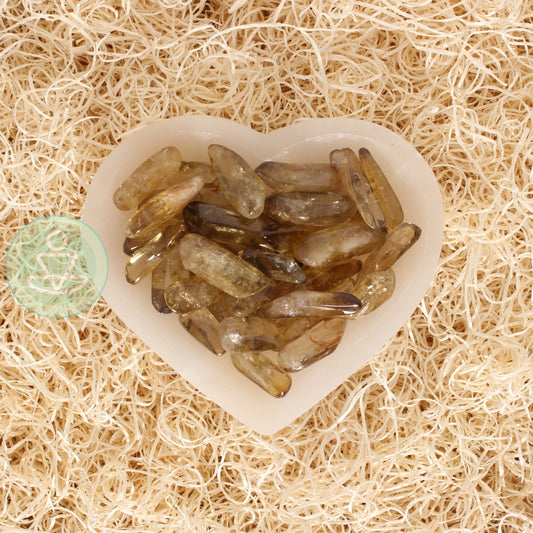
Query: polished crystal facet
(309, 208)
(163, 206)
(356, 184)
(222, 225)
(147, 177)
(243, 188)
(312, 303)
(168, 271)
(220, 267)
(398, 241)
(317, 342)
(274, 265)
(190, 294)
(153, 252)
(263, 372)
(383, 190)
(248, 334)
(203, 326)
(375, 289)
(338, 243)
(298, 177)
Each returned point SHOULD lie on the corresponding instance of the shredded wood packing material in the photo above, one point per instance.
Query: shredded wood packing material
(435, 433)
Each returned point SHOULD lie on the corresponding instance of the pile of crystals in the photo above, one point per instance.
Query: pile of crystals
(266, 264)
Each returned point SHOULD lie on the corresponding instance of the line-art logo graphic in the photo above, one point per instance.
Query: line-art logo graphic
(56, 266)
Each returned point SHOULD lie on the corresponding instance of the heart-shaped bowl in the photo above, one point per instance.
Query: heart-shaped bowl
(307, 141)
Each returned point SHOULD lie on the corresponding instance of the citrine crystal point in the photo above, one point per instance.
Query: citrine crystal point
(313, 177)
(257, 367)
(241, 185)
(328, 278)
(168, 271)
(397, 242)
(203, 326)
(147, 177)
(248, 334)
(309, 208)
(275, 265)
(193, 293)
(222, 225)
(375, 289)
(220, 267)
(152, 253)
(383, 190)
(312, 303)
(338, 243)
(163, 206)
(356, 184)
(316, 343)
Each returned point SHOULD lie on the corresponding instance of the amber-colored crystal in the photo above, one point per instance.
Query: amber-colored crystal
(190, 294)
(220, 267)
(241, 185)
(274, 265)
(168, 271)
(263, 372)
(375, 289)
(356, 184)
(328, 278)
(316, 343)
(298, 177)
(338, 243)
(398, 241)
(163, 206)
(309, 208)
(383, 190)
(153, 252)
(203, 326)
(312, 303)
(147, 177)
(248, 334)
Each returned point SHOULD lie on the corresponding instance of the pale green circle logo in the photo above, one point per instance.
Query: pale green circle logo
(57, 266)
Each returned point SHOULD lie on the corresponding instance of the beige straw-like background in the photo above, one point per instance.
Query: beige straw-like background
(435, 433)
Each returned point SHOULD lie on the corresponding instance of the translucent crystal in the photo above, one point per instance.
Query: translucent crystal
(203, 326)
(163, 206)
(132, 244)
(338, 243)
(312, 303)
(356, 183)
(309, 208)
(168, 271)
(191, 168)
(248, 334)
(245, 307)
(274, 265)
(220, 267)
(329, 278)
(153, 252)
(383, 190)
(398, 241)
(375, 289)
(147, 177)
(298, 177)
(241, 185)
(222, 225)
(190, 294)
(317, 342)
(263, 372)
